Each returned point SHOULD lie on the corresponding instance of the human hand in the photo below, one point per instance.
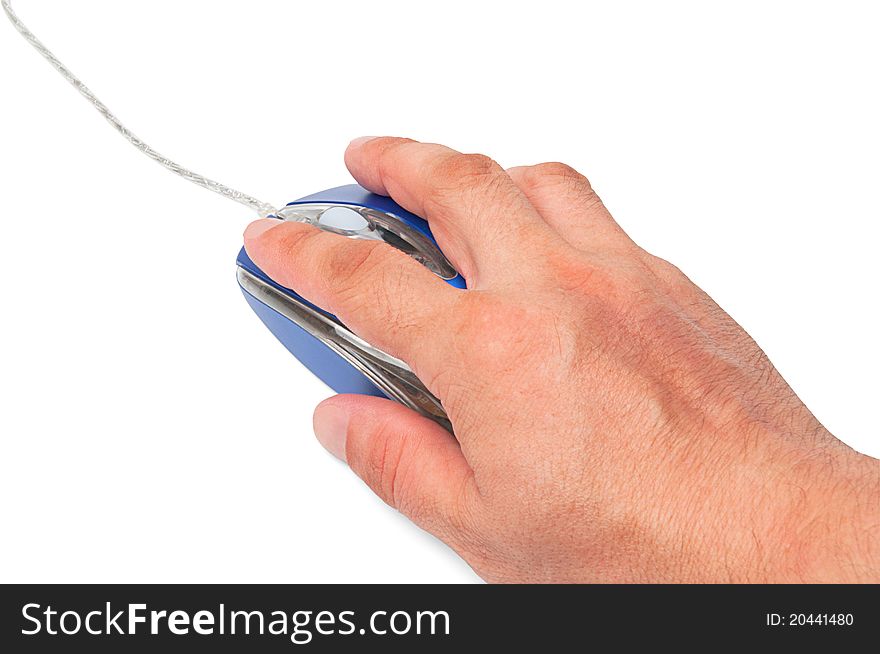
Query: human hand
(612, 423)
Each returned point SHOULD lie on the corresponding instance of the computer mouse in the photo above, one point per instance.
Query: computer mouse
(319, 340)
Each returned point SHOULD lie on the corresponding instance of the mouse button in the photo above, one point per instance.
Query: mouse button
(399, 234)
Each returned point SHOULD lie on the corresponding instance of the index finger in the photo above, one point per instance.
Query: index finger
(384, 296)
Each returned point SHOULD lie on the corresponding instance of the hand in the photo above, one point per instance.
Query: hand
(612, 423)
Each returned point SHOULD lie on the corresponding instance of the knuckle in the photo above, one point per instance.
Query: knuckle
(388, 470)
(561, 180)
(552, 174)
(348, 265)
(381, 464)
(467, 169)
(294, 240)
(554, 171)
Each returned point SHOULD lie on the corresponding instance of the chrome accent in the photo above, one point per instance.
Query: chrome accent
(391, 375)
(381, 226)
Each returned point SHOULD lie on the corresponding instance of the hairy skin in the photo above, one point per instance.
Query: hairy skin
(612, 423)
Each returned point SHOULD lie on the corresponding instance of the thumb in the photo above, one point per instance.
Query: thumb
(408, 460)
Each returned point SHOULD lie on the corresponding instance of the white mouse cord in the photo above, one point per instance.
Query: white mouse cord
(260, 207)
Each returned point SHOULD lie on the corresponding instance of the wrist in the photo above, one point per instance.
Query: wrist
(829, 533)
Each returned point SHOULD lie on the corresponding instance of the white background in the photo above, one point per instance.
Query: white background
(154, 430)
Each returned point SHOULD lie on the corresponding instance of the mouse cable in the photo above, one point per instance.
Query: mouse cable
(260, 207)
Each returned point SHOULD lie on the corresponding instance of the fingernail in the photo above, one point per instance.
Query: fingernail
(331, 427)
(358, 142)
(259, 226)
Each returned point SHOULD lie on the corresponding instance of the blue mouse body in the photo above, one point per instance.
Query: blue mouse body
(312, 335)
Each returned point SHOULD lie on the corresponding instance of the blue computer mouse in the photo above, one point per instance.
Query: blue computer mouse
(318, 339)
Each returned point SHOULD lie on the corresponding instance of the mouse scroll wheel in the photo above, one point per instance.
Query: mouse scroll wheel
(344, 219)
